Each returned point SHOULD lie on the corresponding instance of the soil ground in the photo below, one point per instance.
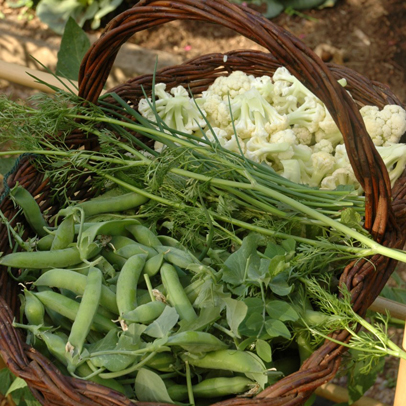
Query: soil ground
(368, 36)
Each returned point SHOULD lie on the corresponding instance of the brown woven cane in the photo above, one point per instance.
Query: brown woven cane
(385, 208)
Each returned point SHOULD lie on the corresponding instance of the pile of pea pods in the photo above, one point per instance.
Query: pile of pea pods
(111, 301)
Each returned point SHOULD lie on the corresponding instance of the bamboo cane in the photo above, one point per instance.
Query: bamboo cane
(400, 394)
(395, 309)
(338, 394)
(21, 75)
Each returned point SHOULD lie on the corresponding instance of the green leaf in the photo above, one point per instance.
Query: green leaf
(289, 245)
(237, 265)
(114, 362)
(264, 350)
(280, 310)
(149, 387)
(55, 13)
(6, 165)
(254, 321)
(74, 46)
(276, 328)
(6, 378)
(362, 375)
(235, 313)
(273, 249)
(280, 286)
(207, 316)
(163, 324)
(18, 383)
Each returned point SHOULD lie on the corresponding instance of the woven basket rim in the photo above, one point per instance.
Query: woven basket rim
(27, 363)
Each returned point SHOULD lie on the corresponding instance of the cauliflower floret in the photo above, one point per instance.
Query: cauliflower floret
(289, 92)
(259, 150)
(324, 145)
(341, 157)
(308, 115)
(264, 86)
(298, 168)
(394, 157)
(177, 110)
(385, 126)
(217, 110)
(236, 83)
(254, 116)
(323, 164)
(341, 176)
(328, 130)
(303, 135)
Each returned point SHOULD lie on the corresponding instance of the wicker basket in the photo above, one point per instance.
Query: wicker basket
(385, 209)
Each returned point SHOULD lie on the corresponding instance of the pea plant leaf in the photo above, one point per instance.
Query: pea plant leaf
(163, 324)
(237, 265)
(74, 45)
(275, 328)
(264, 350)
(149, 387)
(280, 286)
(115, 362)
(280, 310)
(253, 323)
(235, 314)
(362, 375)
(18, 383)
(207, 316)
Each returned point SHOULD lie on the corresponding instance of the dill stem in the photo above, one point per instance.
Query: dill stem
(67, 154)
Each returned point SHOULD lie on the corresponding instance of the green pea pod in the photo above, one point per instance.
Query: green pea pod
(76, 282)
(34, 310)
(153, 265)
(31, 209)
(86, 312)
(56, 345)
(163, 362)
(212, 388)
(178, 257)
(120, 241)
(145, 313)
(64, 234)
(87, 241)
(229, 360)
(69, 308)
(116, 260)
(176, 294)
(112, 204)
(171, 242)
(136, 248)
(196, 341)
(144, 235)
(44, 259)
(126, 290)
(45, 243)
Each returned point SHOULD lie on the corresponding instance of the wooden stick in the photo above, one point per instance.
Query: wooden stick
(400, 394)
(20, 75)
(338, 394)
(396, 310)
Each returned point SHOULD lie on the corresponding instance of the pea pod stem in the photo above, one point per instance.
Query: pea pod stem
(135, 367)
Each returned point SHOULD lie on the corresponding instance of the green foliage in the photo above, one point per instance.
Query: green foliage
(55, 13)
(73, 47)
(275, 7)
(17, 387)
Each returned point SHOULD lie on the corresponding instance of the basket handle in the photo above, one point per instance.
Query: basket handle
(287, 50)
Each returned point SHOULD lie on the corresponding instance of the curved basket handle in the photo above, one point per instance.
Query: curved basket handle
(288, 50)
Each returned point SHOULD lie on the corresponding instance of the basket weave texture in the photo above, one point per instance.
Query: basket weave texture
(385, 208)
